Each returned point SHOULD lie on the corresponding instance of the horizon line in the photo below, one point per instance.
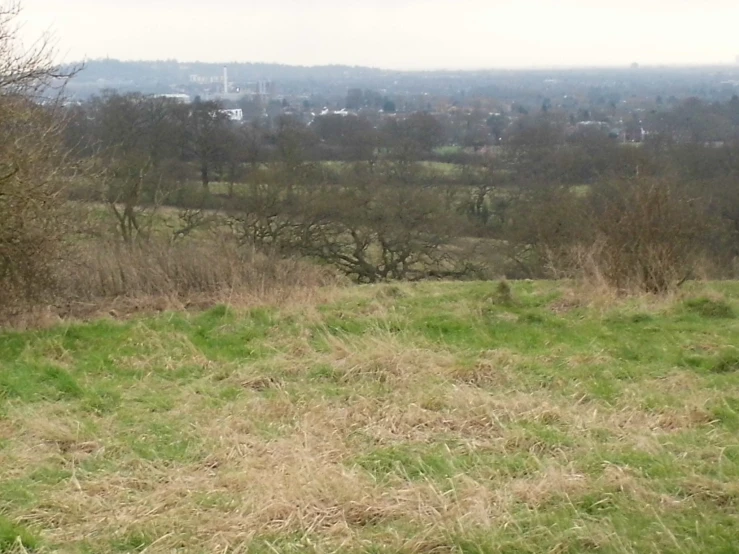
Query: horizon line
(565, 67)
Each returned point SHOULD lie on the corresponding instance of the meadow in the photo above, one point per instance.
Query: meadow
(429, 417)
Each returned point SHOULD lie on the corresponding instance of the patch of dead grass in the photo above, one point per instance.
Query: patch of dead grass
(601, 298)
(386, 359)
(276, 487)
(492, 369)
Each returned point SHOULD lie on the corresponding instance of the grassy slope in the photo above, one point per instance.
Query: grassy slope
(426, 418)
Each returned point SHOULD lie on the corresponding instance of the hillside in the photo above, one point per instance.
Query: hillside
(433, 417)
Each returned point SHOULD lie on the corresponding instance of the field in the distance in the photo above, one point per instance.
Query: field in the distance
(397, 418)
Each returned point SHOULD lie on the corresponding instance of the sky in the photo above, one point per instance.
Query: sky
(393, 34)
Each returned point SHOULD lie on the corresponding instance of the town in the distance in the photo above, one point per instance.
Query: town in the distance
(475, 107)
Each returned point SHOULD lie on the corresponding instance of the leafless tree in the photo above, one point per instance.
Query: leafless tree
(34, 166)
(378, 232)
(205, 137)
(134, 138)
(26, 71)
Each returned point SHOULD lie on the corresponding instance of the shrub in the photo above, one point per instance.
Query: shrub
(649, 235)
(642, 235)
(32, 164)
(32, 225)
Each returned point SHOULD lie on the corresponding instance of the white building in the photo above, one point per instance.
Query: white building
(234, 115)
(205, 80)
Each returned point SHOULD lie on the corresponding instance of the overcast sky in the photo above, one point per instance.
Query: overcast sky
(397, 34)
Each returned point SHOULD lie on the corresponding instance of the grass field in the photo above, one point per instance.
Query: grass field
(436, 417)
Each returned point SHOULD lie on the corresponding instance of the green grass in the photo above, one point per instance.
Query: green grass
(432, 417)
(14, 536)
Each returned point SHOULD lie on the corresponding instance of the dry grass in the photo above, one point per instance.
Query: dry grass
(374, 420)
(110, 278)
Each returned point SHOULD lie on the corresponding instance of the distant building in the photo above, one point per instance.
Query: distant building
(343, 113)
(602, 125)
(203, 80)
(182, 98)
(634, 134)
(234, 115)
(266, 88)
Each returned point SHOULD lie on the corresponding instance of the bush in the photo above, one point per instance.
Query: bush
(643, 235)
(648, 235)
(543, 228)
(32, 164)
(32, 225)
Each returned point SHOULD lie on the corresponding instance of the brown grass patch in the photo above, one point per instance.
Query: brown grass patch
(492, 369)
(385, 358)
(249, 487)
(110, 279)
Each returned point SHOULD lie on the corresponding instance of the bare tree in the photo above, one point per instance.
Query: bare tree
(253, 137)
(293, 141)
(33, 163)
(205, 137)
(26, 71)
(135, 141)
(349, 137)
(374, 233)
(413, 137)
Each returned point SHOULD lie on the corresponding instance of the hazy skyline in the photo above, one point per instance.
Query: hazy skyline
(394, 34)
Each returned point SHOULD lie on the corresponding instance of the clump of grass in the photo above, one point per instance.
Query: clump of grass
(14, 537)
(135, 541)
(156, 276)
(502, 295)
(179, 270)
(709, 308)
(726, 362)
(391, 291)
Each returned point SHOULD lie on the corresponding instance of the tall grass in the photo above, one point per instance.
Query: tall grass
(160, 268)
(99, 275)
